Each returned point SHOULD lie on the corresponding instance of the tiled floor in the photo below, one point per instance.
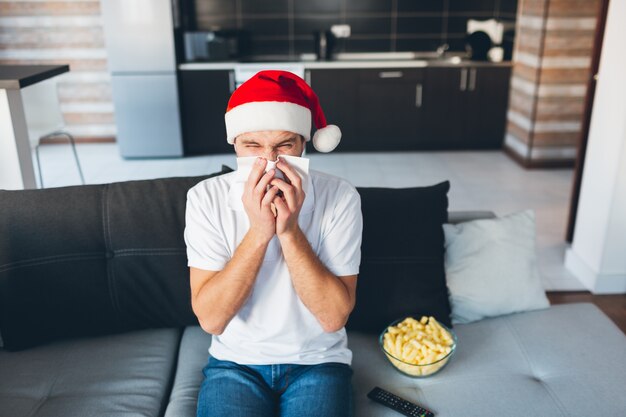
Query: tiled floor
(485, 180)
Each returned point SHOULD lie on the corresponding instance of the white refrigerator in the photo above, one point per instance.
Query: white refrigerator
(139, 37)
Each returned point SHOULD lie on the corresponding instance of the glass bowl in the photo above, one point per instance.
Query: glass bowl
(417, 370)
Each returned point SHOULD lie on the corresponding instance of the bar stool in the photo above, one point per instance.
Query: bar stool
(44, 119)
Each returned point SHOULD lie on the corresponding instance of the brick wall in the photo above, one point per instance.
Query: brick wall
(551, 67)
(64, 32)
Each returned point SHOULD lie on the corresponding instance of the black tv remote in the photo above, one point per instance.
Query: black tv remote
(398, 404)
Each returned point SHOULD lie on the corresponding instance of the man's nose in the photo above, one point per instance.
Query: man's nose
(270, 155)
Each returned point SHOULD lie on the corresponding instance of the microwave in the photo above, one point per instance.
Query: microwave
(219, 45)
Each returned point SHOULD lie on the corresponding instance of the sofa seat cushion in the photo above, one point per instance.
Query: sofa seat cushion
(128, 374)
(192, 358)
(568, 360)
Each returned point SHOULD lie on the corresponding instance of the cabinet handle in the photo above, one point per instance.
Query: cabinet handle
(463, 79)
(390, 74)
(231, 80)
(472, 79)
(418, 95)
(307, 77)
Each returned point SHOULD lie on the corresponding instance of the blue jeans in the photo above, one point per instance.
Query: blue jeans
(286, 390)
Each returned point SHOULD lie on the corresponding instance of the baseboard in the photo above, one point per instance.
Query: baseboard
(595, 282)
(55, 140)
(538, 163)
(539, 157)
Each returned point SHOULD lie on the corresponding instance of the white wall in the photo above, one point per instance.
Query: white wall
(598, 253)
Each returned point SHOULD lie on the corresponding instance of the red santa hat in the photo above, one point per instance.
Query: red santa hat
(279, 100)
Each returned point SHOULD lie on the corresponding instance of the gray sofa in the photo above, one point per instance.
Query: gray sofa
(96, 320)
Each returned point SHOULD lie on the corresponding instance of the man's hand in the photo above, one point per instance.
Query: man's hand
(288, 205)
(256, 201)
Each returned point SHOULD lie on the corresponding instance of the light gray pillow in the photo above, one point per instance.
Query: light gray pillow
(491, 267)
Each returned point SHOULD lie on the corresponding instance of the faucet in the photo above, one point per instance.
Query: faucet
(441, 49)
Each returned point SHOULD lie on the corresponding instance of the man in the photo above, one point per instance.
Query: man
(275, 288)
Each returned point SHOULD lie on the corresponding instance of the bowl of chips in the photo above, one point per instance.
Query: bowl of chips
(418, 348)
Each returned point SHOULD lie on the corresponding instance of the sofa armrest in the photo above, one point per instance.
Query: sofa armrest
(459, 216)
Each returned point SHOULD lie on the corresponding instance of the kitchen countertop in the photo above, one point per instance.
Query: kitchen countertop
(348, 61)
(20, 76)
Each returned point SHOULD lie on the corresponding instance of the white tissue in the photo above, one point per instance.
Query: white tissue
(299, 164)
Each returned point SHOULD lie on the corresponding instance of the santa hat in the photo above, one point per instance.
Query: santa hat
(279, 100)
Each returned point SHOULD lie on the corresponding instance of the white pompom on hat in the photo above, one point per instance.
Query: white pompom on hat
(279, 100)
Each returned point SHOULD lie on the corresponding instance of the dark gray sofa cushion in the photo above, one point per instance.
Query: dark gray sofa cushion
(101, 259)
(93, 260)
(126, 374)
(402, 269)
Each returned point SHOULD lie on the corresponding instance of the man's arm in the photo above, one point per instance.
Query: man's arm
(216, 296)
(329, 298)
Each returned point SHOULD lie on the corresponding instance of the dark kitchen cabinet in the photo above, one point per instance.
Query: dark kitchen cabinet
(487, 121)
(337, 92)
(204, 96)
(446, 102)
(466, 107)
(432, 108)
(389, 103)
(377, 109)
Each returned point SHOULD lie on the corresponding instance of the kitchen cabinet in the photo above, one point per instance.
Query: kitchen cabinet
(390, 108)
(376, 109)
(437, 107)
(204, 97)
(446, 102)
(487, 121)
(337, 92)
(466, 107)
(395, 109)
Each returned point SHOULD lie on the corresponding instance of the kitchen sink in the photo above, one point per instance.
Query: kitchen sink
(450, 57)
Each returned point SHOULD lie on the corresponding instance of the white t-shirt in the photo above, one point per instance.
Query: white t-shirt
(274, 326)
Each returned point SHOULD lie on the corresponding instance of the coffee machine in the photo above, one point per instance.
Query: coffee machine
(324, 44)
